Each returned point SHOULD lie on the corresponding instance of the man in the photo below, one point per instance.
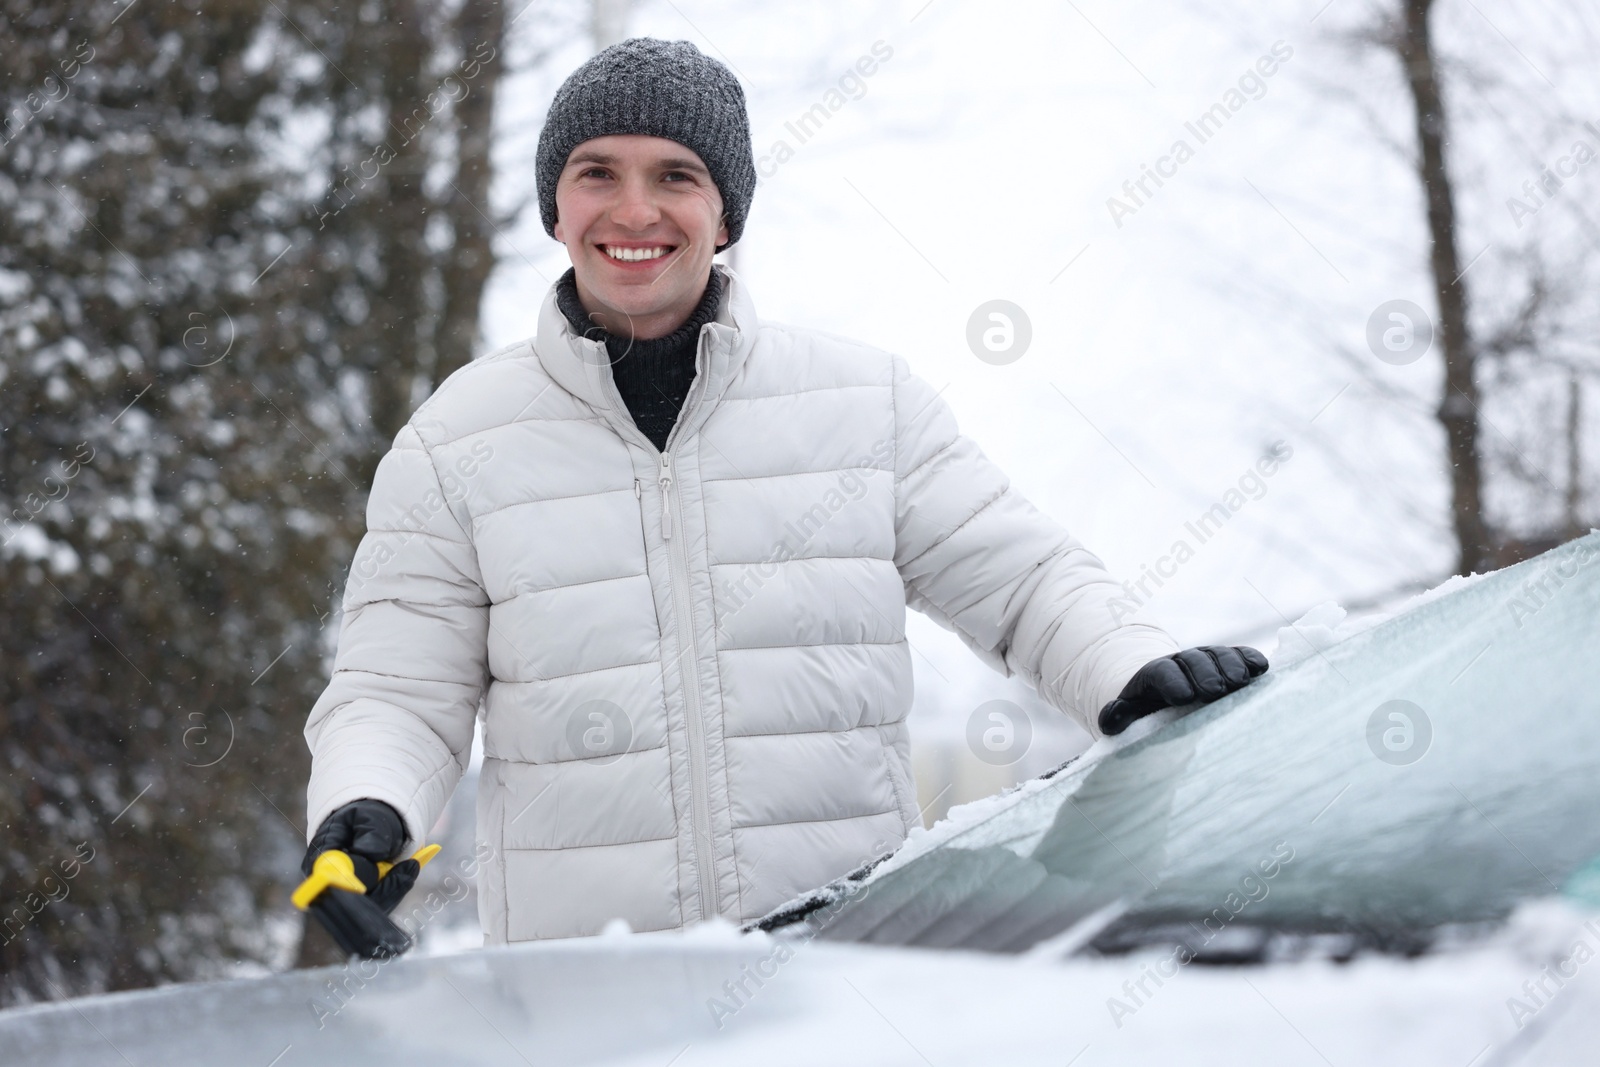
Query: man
(670, 547)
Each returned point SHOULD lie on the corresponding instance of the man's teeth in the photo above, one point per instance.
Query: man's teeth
(632, 255)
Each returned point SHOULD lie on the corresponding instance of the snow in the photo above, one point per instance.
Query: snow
(707, 998)
(968, 817)
(1326, 624)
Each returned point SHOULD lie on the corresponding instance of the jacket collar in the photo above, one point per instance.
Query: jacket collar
(582, 367)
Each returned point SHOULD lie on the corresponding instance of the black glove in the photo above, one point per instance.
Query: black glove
(1193, 676)
(365, 827)
(368, 832)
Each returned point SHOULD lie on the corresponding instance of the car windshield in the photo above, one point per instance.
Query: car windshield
(1429, 772)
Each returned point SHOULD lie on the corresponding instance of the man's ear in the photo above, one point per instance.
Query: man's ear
(557, 230)
(722, 232)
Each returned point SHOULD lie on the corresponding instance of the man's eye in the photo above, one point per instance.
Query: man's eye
(593, 172)
(671, 174)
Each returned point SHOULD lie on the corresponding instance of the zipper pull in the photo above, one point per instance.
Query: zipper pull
(638, 493)
(666, 499)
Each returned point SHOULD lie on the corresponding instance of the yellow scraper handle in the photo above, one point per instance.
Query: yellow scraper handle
(330, 869)
(333, 869)
(421, 855)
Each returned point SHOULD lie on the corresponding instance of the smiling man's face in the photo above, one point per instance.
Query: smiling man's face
(641, 219)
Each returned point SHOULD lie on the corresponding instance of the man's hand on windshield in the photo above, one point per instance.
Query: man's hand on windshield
(1193, 676)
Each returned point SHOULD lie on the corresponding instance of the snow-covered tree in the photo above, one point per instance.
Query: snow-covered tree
(238, 242)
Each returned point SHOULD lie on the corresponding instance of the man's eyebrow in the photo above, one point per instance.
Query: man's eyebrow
(667, 163)
(682, 163)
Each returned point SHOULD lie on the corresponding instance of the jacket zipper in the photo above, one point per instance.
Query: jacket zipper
(689, 670)
(688, 654)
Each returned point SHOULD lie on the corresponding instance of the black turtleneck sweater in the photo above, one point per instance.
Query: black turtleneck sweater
(653, 376)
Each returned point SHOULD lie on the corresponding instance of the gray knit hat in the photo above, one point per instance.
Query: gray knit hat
(662, 89)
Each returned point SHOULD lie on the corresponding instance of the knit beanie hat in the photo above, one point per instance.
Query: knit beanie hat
(661, 89)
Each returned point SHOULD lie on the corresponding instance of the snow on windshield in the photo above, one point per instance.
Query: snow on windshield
(1429, 771)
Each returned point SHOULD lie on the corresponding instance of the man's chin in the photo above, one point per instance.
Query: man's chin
(638, 306)
(641, 298)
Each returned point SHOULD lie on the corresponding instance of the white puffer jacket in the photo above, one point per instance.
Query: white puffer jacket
(692, 665)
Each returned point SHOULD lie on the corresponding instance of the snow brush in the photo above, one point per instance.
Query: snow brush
(352, 897)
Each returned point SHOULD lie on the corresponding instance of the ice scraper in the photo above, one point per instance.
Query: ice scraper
(352, 897)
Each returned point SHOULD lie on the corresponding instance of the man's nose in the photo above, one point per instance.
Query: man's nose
(636, 207)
